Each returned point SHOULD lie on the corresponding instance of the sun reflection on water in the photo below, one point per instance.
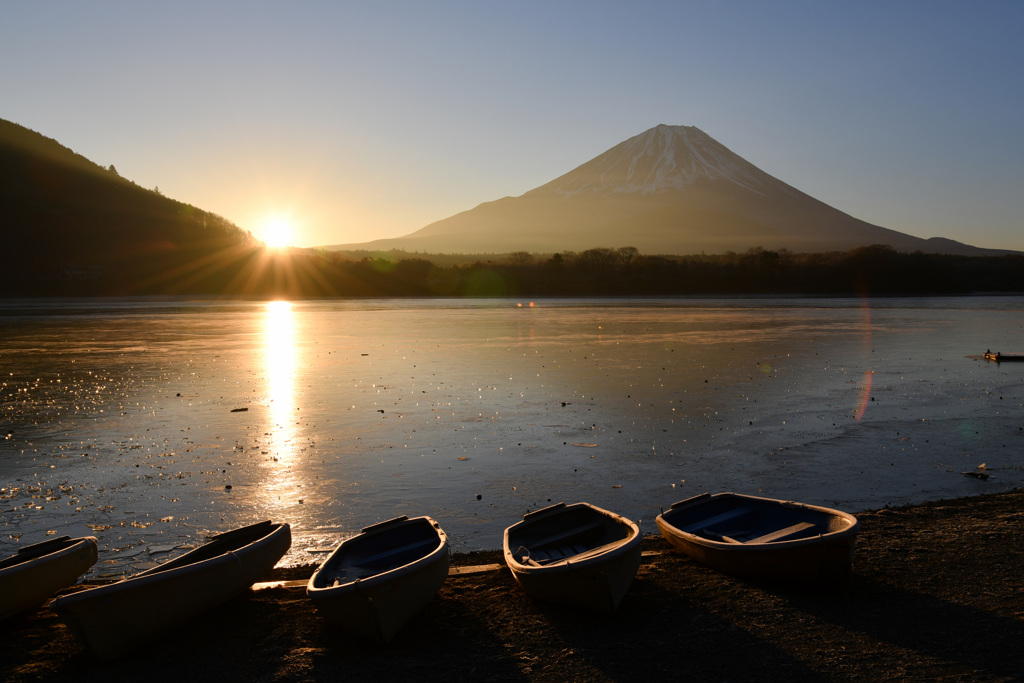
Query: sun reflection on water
(280, 364)
(282, 489)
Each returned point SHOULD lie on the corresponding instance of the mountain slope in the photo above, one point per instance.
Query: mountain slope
(71, 225)
(669, 190)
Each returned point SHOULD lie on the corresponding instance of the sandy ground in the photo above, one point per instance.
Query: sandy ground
(936, 594)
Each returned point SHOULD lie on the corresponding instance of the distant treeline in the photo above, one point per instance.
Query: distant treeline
(867, 271)
(252, 271)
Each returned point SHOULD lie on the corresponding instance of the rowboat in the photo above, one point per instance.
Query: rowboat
(115, 617)
(374, 583)
(578, 555)
(763, 538)
(37, 571)
(1004, 357)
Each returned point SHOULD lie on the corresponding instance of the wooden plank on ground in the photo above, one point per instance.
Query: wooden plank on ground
(467, 570)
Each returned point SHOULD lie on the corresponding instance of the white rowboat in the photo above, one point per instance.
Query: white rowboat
(374, 583)
(114, 618)
(763, 538)
(580, 555)
(38, 571)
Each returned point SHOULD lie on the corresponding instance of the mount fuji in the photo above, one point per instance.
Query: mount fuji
(669, 190)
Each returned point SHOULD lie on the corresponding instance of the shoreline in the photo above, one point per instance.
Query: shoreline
(936, 593)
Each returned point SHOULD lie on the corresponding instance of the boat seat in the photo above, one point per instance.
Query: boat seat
(539, 558)
(596, 550)
(717, 519)
(561, 538)
(783, 534)
(391, 552)
(725, 537)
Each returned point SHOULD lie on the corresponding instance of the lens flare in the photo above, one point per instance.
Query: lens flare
(865, 394)
(865, 387)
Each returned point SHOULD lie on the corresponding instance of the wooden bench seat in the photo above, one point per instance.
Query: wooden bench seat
(783, 534)
(717, 519)
(391, 552)
(539, 558)
(562, 537)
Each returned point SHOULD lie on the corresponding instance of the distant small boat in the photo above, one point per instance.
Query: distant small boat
(762, 538)
(38, 571)
(579, 555)
(374, 583)
(116, 617)
(1004, 357)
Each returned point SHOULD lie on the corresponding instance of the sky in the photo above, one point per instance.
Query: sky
(354, 121)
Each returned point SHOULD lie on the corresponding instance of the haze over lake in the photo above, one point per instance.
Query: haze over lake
(153, 423)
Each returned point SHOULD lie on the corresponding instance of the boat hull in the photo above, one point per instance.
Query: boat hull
(113, 619)
(38, 571)
(591, 570)
(818, 549)
(1004, 357)
(373, 584)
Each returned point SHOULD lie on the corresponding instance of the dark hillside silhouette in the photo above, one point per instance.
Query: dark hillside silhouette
(72, 224)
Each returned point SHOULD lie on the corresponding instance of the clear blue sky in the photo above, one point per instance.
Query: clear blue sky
(357, 121)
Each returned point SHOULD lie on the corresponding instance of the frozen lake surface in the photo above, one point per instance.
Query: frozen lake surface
(151, 424)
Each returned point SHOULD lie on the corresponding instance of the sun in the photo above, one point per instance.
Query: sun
(277, 233)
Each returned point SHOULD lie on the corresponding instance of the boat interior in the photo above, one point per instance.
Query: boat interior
(217, 545)
(30, 552)
(371, 554)
(574, 534)
(738, 520)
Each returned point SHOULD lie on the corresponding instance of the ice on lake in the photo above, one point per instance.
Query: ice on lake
(125, 420)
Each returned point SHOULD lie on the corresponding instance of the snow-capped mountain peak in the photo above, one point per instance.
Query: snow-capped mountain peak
(662, 158)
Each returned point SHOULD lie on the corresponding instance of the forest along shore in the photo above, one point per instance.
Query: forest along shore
(936, 593)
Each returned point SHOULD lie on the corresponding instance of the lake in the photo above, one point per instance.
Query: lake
(153, 423)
